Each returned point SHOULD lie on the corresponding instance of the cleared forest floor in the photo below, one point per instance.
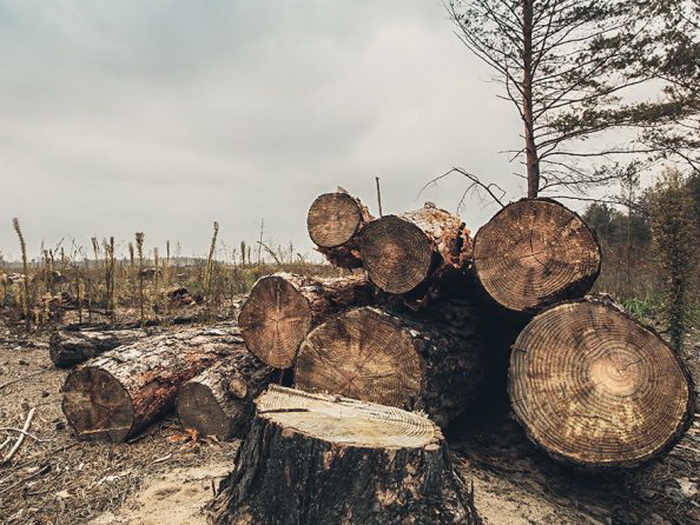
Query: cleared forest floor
(166, 474)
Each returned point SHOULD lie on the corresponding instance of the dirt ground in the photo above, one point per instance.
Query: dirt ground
(166, 475)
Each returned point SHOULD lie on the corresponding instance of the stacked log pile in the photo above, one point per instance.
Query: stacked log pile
(386, 356)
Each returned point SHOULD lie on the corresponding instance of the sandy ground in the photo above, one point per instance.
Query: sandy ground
(167, 475)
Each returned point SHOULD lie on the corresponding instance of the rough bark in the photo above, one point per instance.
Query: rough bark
(534, 253)
(282, 308)
(329, 460)
(116, 394)
(333, 221)
(413, 251)
(595, 388)
(69, 348)
(369, 354)
(219, 401)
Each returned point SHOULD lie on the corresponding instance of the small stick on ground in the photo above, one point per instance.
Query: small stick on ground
(20, 439)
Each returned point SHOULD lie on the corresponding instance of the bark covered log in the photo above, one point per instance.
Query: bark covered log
(595, 388)
(219, 401)
(329, 460)
(333, 221)
(69, 348)
(534, 253)
(116, 394)
(369, 354)
(413, 251)
(282, 308)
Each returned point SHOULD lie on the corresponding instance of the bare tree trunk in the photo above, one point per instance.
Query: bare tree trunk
(532, 160)
(329, 460)
(594, 388)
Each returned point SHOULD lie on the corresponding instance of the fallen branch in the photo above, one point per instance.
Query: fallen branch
(20, 439)
(20, 431)
(21, 379)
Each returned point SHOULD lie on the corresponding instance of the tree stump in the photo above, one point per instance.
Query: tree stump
(282, 308)
(401, 252)
(534, 253)
(333, 221)
(69, 348)
(593, 387)
(116, 394)
(219, 401)
(369, 354)
(329, 460)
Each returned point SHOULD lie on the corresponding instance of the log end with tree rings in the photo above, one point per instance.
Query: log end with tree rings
(594, 388)
(534, 253)
(362, 354)
(396, 254)
(334, 219)
(274, 320)
(97, 406)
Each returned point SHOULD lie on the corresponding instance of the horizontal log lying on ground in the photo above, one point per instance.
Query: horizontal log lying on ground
(593, 387)
(119, 392)
(219, 401)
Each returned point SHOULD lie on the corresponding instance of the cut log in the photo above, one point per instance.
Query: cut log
(282, 308)
(219, 401)
(369, 354)
(593, 387)
(401, 252)
(333, 221)
(69, 348)
(116, 394)
(329, 460)
(534, 253)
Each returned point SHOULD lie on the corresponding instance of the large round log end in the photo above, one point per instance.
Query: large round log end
(534, 253)
(595, 388)
(333, 219)
(274, 320)
(396, 254)
(97, 406)
(198, 408)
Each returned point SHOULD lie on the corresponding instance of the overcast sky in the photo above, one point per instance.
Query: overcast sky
(162, 116)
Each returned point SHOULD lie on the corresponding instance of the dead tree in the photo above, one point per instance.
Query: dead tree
(219, 401)
(329, 460)
(282, 308)
(534, 253)
(595, 388)
(369, 354)
(333, 221)
(402, 252)
(118, 393)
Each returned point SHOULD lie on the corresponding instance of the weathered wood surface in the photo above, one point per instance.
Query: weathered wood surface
(282, 308)
(329, 460)
(333, 222)
(535, 253)
(219, 401)
(69, 348)
(369, 354)
(413, 251)
(118, 393)
(593, 387)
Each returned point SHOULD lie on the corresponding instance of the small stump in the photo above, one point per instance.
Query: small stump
(312, 458)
